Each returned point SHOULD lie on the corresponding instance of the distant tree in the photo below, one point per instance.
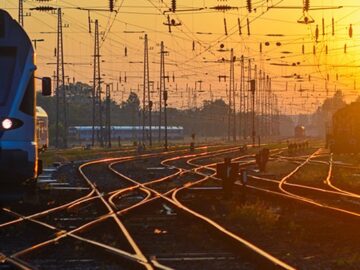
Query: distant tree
(334, 103)
(322, 118)
(130, 113)
(132, 103)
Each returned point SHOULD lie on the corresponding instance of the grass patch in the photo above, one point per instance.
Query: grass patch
(79, 153)
(349, 178)
(53, 155)
(348, 261)
(279, 168)
(310, 174)
(353, 159)
(256, 213)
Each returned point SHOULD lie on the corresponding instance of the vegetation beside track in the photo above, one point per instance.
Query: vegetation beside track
(79, 153)
(347, 178)
(297, 233)
(352, 159)
(311, 174)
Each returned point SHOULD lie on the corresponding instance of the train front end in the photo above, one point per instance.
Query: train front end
(18, 149)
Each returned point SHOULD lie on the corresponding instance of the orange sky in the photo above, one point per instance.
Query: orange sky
(335, 70)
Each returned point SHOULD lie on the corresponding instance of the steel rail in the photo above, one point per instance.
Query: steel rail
(330, 184)
(173, 200)
(88, 197)
(64, 233)
(71, 233)
(329, 176)
(282, 183)
(121, 226)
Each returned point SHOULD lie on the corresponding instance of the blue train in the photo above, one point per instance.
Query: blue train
(18, 143)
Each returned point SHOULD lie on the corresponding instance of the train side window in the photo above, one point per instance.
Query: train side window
(28, 102)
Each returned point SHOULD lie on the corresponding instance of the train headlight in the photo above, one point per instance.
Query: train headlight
(7, 123)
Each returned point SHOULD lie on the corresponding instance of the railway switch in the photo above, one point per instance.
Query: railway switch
(243, 177)
(262, 158)
(192, 144)
(192, 147)
(243, 148)
(227, 171)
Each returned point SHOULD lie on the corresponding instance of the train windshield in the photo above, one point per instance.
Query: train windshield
(7, 67)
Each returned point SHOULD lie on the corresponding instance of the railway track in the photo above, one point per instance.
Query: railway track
(324, 212)
(157, 196)
(263, 258)
(321, 193)
(72, 234)
(92, 195)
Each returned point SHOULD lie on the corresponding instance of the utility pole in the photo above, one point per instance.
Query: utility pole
(255, 105)
(195, 95)
(162, 90)
(165, 116)
(258, 101)
(248, 101)
(266, 105)
(96, 97)
(60, 81)
(21, 12)
(163, 93)
(252, 89)
(146, 85)
(108, 115)
(150, 114)
(241, 98)
(271, 109)
(162, 82)
(262, 103)
(232, 92)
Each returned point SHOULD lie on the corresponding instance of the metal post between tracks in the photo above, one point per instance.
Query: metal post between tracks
(252, 89)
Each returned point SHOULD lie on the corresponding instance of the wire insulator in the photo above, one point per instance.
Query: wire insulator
(43, 8)
(173, 5)
(350, 31)
(248, 5)
(111, 5)
(239, 26)
(306, 5)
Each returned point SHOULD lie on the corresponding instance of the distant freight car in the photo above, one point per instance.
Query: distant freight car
(345, 137)
(299, 131)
